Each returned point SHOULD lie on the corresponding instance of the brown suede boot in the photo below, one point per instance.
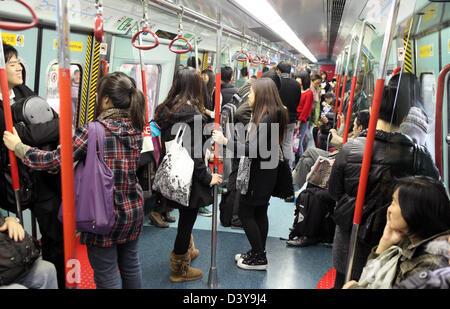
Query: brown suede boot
(168, 218)
(194, 252)
(181, 270)
(156, 220)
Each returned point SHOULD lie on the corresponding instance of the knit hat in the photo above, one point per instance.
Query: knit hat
(416, 125)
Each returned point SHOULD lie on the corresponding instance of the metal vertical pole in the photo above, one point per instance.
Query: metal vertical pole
(347, 67)
(65, 133)
(355, 77)
(212, 277)
(259, 74)
(367, 159)
(196, 52)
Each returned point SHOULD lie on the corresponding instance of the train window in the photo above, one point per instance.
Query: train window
(52, 90)
(153, 78)
(428, 84)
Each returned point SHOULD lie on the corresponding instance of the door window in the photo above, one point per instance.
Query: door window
(153, 78)
(52, 90)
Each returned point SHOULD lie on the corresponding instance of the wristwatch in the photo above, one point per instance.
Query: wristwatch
(17, 219)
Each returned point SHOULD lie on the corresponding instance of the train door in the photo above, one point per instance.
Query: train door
(427, 51)
(79, 54)
(25, 43)
(160, 66)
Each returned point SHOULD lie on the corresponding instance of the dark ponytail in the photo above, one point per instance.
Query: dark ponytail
(122, 92)
(137, 109)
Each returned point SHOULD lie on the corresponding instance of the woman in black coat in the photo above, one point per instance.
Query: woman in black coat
(394, 156)
(184, 108)
(268, 113)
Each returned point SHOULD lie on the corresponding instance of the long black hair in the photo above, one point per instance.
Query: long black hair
(425, 206)
(122, 92)
(186, 87)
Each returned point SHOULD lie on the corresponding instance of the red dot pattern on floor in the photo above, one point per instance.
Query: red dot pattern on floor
(327, 281)
(87, 274)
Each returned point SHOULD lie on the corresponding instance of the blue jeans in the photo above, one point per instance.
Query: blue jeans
(107, 262)
(302, 133)
(42, 275)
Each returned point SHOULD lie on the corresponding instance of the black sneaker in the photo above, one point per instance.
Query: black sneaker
(303, 242)
(239, 256)
(254, 261)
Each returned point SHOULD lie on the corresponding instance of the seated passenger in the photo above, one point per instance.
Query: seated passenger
(41, 274)
(120, 109)
(428, 279)
(415, 237)
(395, 155)
(311, 155)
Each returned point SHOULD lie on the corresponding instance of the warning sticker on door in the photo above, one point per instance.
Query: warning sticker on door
(13, 39)
(427, 51)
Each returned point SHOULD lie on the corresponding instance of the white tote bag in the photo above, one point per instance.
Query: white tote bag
(173, 179)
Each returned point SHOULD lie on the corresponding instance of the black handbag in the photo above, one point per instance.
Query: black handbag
(16, 257)
(284, 186)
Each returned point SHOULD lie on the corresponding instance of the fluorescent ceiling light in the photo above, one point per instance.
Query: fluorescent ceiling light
(266, 15)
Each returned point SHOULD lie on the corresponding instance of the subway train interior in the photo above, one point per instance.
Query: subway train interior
(150, 40)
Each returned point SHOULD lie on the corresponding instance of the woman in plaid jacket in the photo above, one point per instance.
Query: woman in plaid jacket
(120, 109)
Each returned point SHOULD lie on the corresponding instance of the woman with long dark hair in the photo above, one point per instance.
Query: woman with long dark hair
(183, 108)
(120, 109)
(268, 113)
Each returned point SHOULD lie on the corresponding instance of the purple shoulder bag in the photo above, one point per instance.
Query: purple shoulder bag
(94, 187)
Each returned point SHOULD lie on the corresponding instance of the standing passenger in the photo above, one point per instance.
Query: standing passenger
(290, 94)
(45, 205)
(120, 109)
(304, 108)
(184, 105)
(268, 110)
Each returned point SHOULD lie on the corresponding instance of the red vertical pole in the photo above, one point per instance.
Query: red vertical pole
(338, 88)
(439, 106)
(355, 78)
(367, 158)
(349, 110)
(65, 135)
(341, 103)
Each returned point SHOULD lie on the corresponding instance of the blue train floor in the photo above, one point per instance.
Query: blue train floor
(289, 268)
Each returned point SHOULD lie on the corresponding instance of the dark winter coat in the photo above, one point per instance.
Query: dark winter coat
(228, 91)
(290, 94)
(262, 180)
(47, 186)
(394, 156)
(201, 193)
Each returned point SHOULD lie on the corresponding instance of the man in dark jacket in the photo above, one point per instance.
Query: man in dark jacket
(394, 156)
(46, 198)
(290, 94)
(227, 88)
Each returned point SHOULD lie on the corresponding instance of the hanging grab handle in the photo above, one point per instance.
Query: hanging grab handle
(180, 38)
(141, 47)
(19, 26)
(256, 60)
(146, 29)
(241, 59)
(98, 27)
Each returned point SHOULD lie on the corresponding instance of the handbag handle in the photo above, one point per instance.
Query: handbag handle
(179, 138)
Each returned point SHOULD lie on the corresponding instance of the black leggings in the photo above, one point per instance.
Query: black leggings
(186, 223)
(256, 224)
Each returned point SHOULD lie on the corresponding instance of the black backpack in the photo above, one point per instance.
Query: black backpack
(16, 257)
(313, 215)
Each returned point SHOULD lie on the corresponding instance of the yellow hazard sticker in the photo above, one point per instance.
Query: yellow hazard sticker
(449, 46)
(426, 51)
(74, 46)
(13, 39)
